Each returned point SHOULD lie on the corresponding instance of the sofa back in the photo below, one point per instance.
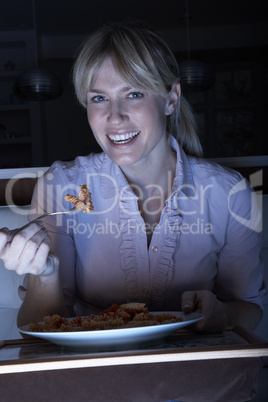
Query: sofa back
(18, 185)
(12, 217)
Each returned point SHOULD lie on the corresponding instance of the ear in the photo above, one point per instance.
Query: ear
(173, 98)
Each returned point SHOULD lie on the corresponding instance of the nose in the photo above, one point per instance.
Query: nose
(116, 113)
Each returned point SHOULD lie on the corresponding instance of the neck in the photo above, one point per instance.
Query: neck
(153, 185)
(152, 182)
(149, 175)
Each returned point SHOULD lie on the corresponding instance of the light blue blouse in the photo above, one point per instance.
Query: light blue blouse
(208, 236)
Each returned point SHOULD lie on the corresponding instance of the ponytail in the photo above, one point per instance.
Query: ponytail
(182, 125)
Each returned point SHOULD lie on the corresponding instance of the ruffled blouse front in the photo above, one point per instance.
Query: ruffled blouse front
(158, 259)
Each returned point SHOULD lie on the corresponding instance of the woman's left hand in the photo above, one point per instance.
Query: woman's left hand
(206, 303)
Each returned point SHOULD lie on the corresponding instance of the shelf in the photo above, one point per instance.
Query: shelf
(20, 128)
(15, 141)
(9, 73)
(10, 107)
(8, 100)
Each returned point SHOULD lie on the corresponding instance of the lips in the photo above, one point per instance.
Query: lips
(119, 139)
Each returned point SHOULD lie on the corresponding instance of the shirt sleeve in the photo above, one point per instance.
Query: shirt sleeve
(47, 197)
(240, 270)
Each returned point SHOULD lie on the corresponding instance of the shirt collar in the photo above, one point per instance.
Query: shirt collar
(112, 179)
(183, 181)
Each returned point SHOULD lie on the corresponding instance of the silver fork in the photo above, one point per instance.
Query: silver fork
(14, 231)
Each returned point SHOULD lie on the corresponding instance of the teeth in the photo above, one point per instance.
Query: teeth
(123, 138)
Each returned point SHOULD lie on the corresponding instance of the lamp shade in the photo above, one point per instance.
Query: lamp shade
(37, 85)
(195, 76)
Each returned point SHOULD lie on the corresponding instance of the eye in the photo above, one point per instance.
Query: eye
(135, 95)
(98, 99)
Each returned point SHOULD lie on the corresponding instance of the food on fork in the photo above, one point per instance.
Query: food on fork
(127, 315)
(83, 201)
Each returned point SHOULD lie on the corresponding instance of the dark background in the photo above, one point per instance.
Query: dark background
(230, 36)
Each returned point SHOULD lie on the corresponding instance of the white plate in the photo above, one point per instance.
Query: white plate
(114, 339)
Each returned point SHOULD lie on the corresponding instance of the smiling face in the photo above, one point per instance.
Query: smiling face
(128, 123)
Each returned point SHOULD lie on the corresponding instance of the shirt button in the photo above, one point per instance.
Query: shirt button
(167, 210)
(155, 249)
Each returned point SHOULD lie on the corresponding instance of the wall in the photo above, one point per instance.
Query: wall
(64, 124)
(65, 129)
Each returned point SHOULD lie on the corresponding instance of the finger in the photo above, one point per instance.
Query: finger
(28, 230)
(205, 301)
(188, 301)
(38, 264)
(31, 259)
(4, 229)
(4, 236)
(22, 292)
(22, 251)
(52, 264)
(40, 260)
(19, 240)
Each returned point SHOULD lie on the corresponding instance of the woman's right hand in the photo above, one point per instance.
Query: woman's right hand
(26, 251)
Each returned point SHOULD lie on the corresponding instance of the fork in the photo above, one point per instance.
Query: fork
(14, 231)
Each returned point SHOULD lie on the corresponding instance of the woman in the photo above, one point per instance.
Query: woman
(168, 228)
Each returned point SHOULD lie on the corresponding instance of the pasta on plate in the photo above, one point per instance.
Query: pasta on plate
(115, 317)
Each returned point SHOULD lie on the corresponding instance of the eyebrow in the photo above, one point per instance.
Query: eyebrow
(96, 90)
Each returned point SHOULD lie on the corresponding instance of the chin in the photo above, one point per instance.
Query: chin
(122, 160)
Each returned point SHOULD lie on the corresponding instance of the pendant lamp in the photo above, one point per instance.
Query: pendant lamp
(194, 75)
(37, 84)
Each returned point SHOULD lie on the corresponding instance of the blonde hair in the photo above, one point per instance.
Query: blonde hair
(144, 60)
